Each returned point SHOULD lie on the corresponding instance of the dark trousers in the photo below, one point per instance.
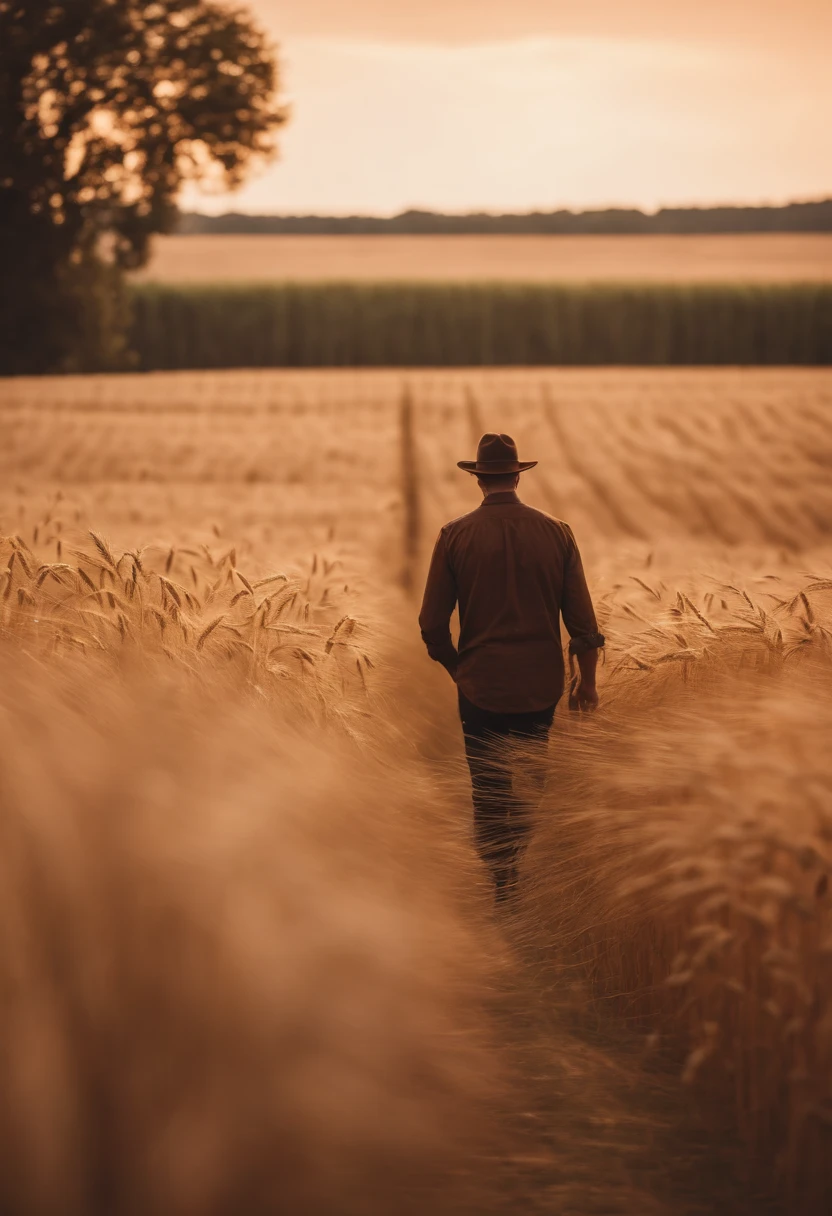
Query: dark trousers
(496, 745)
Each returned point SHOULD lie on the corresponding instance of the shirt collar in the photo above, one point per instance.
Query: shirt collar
(499, 499)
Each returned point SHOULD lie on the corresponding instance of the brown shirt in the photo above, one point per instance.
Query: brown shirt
(514, 571)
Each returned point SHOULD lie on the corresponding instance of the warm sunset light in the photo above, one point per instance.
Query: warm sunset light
(415, 607)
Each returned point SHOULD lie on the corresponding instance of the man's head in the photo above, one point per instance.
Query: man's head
(497, 467)
(497, 483)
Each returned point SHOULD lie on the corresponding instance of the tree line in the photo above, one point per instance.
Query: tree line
(792, 217)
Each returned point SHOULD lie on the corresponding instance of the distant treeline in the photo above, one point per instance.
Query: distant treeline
(794, 217)
(456, 325)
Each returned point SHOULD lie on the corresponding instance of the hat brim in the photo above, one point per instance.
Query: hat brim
(495, 468)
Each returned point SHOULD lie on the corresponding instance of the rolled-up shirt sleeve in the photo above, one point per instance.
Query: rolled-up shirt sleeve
(437, 606)
(576, 606)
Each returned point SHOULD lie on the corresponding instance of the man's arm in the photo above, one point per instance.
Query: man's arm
(582, 626)
(438, 604)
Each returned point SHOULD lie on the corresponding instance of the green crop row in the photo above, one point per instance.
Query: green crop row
(458, 325)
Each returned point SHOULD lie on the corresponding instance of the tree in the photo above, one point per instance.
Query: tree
(107, 108)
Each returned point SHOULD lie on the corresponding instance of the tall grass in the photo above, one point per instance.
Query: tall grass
(447, 325)
(681, 870)
(194, 608)
(236, 975)
(214, 757)
(411, 505)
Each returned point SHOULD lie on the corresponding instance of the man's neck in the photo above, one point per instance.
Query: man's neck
(498, 496)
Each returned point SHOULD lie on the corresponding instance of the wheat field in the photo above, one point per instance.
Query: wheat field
(753, 257)
(250, 956)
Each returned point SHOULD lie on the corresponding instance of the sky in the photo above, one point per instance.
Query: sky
(518, 105)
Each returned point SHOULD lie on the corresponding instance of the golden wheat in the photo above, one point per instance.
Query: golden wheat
(134, 610)
(683, 861)
(225, 986)
(678, 877)
(751, 257)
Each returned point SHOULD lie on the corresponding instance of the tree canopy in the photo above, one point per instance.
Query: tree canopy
(107, 108)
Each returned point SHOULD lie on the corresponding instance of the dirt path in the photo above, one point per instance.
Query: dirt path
(598, 1132)
(593, 1130)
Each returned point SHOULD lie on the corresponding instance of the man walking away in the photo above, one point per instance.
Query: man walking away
(514, 572)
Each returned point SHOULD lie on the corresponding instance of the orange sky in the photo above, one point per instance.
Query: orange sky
(800, 22)
(515, 104)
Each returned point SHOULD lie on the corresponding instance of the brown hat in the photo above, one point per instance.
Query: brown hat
(496, 454)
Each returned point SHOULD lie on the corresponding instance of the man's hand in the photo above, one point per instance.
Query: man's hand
(583, 696)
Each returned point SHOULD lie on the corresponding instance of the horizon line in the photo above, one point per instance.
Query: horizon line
(488, 213)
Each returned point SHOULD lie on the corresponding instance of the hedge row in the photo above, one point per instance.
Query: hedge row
(460, 325)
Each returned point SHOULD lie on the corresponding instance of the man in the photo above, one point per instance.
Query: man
(514, 572)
